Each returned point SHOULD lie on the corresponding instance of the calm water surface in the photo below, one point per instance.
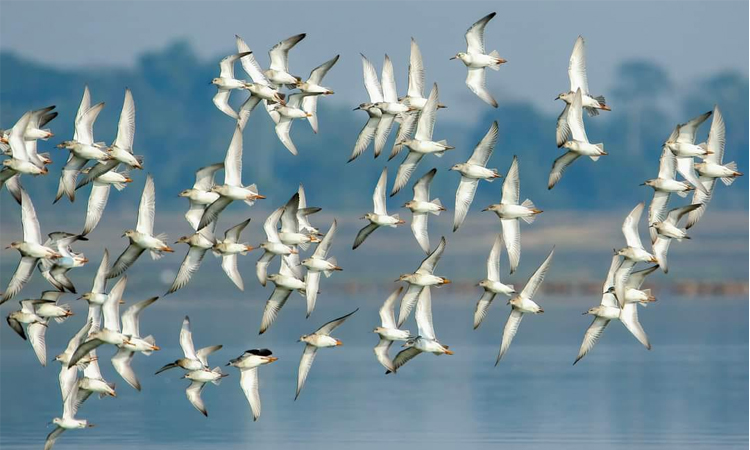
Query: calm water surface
(690, 391)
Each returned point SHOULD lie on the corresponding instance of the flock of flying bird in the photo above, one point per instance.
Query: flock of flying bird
(111, 164)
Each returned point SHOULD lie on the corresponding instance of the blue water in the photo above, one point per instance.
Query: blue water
(690, 391)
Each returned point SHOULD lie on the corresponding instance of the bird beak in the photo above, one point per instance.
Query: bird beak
(128, 180)
(642, 184)
(121, 302)
(356, 108)
(123, 235)
(446, 281)
(272, 359)
(260, 197)
(361, 218)
(453, 57)
(486, 209)
(585, 313)
(557, 98)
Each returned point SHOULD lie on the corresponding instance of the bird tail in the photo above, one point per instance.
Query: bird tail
(439, 204)
(494, 54)
(217, 370)
(332, 260)
(733, 167)
(151, 341)
(528, 204)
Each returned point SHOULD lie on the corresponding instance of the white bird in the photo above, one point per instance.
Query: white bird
(476, 60)
(633, 253)
(578, 80)
(201, 195)
(229, 248)
(48, 307)
(133, 343)
(283, 115)
(109, 334)
(248, 364)
(199, 243)
(663, 185)
(389, 331)
(56, 271)
(379, 217)
(100, 194)
(292, 232)
(232, 189)
(285, 282)
(667, 230)
(682, 144)
(226, 83)
(609, 310)
(509, 211)
(420, 206)
(31, 249)
(36, 327)
(24, 147)
(21, 161)
(375, 92)
(422, 143)
(712, 167)
(302, 212)
(93, 382)
(421, 279)
(633, 291)
(311, 89)
(194, 359)
(68, 376)
(321, 338)
(142, 238)
(260, 88)
(198, 379)
(82, 148)
(319, 263)
(278, 72)
(523, 303)
(577, 145)
(121, 150)
(414, 98)
(68, 420)
(471, 172)
(492, 284)
(97, 295)
(426, 342)
(272, 246)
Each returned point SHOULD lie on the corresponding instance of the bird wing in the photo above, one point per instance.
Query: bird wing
(613, 266)
(685, 167)
(363, 233)
(423, 314)
(405, 170)
(29, 221)
(305, 363)
(661, 247)
(233, 234)
(289, 222)
(272, 234)
(67, 183)
(221, 101)
(273, 306)
(328, 328)
(111, 306)
(250, 64)
(593, 333)
(562, 132)
(126, 125)
(204, 177)
(575, 118)
(512, 184)
(630, 227)
(95, 208)
(404, 356)
(387, 318)
(121, 363)
(83, 350)
(147, 208)
(475, 82)
(408, 302)
(629, 318)
(559, 166)
(203, 353)
(84, 126)
(382, 130)
(388, 80)
(483, 305)
(636, 279)
(512, 237)
(419, 228)
(483, 150)
(317, 74)
(364, 137)
(131, 316)
(193, 393)
(378, 196)
(422, 186)
(16, 140)
(261, 267)
(186, 340)
(577, 67)
(312, 283)
(233, 160)
(667, 164)
(426, 122)
(621, 278)
(405, 129)
(211, 213)
(125, 260)
(52, 438)
(716, 138)
(674, 215)
(16, 326)
(226, 66)
(686, 131)
(37, 332)
(321, 251)
(428, 264)
(21, 276)
(493, 261)
(249, 384)
(279, 53)
(374, 91)
(282, 132)
(509, 332)
(416, 72)
(656, 210)
(381, 353)
(229, 264)
(702, 199)
(467, 187)
(532, 286)
(475, 35)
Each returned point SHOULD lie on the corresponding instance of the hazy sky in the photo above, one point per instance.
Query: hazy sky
(691, 39)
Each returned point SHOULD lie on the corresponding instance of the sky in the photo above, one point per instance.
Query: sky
(691, 39)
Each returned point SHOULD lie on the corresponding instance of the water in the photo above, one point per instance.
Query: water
(690, 391)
